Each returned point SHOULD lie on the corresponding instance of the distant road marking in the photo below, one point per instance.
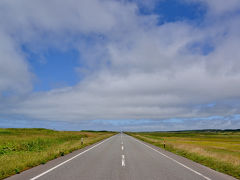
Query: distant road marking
(36, 177)
(122, 148)
(173, 160)
(123, 160)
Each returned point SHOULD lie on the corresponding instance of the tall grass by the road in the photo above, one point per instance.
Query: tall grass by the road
(217, 150)
(21, 149)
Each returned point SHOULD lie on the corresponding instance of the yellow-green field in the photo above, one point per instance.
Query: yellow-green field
(217, 150)
(21, 149)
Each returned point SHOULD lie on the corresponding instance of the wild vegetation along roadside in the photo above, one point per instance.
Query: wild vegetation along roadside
(21, 149)
(219, 150)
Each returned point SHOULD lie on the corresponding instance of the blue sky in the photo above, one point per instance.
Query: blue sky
(175, 10)
(120, 65)
(54, 69)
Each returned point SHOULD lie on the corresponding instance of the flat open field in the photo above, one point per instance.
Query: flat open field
(21, 149)
(219, 150)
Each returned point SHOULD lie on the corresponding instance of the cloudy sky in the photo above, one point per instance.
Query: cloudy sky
(120, 65)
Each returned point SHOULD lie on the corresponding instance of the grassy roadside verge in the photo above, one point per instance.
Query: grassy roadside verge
(21, 149)
(219, 151)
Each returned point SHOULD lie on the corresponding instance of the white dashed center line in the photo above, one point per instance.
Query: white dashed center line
(123, 160)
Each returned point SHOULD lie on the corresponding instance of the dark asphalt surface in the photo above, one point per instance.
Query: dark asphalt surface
(121, 157)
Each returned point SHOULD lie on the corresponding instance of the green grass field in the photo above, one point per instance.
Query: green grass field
(21, 149)
(219, 150)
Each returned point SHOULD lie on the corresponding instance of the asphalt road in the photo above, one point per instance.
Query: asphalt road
(121, 157)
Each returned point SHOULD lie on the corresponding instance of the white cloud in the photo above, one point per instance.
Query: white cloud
(143, 70)
(14, 74)
(219, 7)
(30, 18)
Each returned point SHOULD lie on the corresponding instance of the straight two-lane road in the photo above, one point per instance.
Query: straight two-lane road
(121, 157)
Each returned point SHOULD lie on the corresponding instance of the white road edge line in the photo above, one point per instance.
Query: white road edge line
(123, 160)
(69, 159)
(174, 160)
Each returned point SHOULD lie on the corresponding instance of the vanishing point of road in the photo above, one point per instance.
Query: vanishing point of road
(121, 157)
